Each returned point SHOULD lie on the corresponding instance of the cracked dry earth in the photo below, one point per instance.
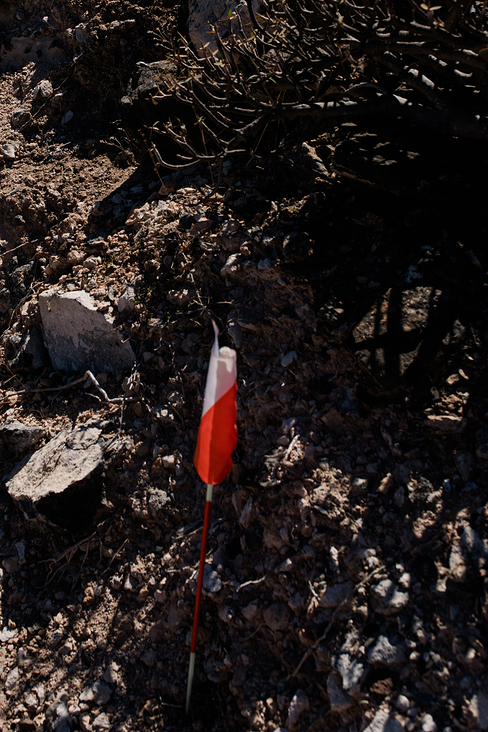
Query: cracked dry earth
(347, 556)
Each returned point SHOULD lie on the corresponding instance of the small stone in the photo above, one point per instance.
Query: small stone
(245, 517)
(385, 653)
(20, 117)
(143, 594)
(54, 638)
(232, 265)
(98, 693)
(352, 672)
(335, 594)
(20, 546)
(296, 246)
(131, 583)
(127, 300)
(13, 678)
(9, 150)
(7, 634)
(116, 582)
(158, 504)
(158, 630)
(10, 565)
(464, 462)
(399, 496)
(464, 550)
(186, 222)
(92, 262)
(31, 701)
(402, 703)
(230, 227)
(289, 358)
(16, 438)
(479, 709)
(75, 256)
(80, 33)
(102, 721)
(168, 461)
(67, 117)
(288, 424)
(405, 580)
(384, 722)
(149, 658)
(61, 718)
(446, 422)
(457, 563)
(388, 599)
(250, 610)
(298, 705)
(201, 226)
(359, 485)
(428, 724)
(211, 580)
(286, 566)
(277, 616)
(339, 701)
(267, 270)
(27, 725)
(26, 351)
(44, 89)
(110, 675)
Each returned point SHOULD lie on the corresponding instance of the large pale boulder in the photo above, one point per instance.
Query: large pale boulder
(63, 481)
(78, 336)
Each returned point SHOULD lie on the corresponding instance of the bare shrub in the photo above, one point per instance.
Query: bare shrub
(299, 66)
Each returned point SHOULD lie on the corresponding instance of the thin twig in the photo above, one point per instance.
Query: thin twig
(87, 375)
(115, 556)
(251, 582)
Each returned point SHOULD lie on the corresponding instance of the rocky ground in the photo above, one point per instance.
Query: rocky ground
(348, 548)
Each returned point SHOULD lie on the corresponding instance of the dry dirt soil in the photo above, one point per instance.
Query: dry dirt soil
(348, 548)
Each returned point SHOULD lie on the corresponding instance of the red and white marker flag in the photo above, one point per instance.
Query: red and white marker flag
(217, 436)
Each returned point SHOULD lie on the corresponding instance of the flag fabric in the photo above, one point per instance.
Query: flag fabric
(217, 436)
